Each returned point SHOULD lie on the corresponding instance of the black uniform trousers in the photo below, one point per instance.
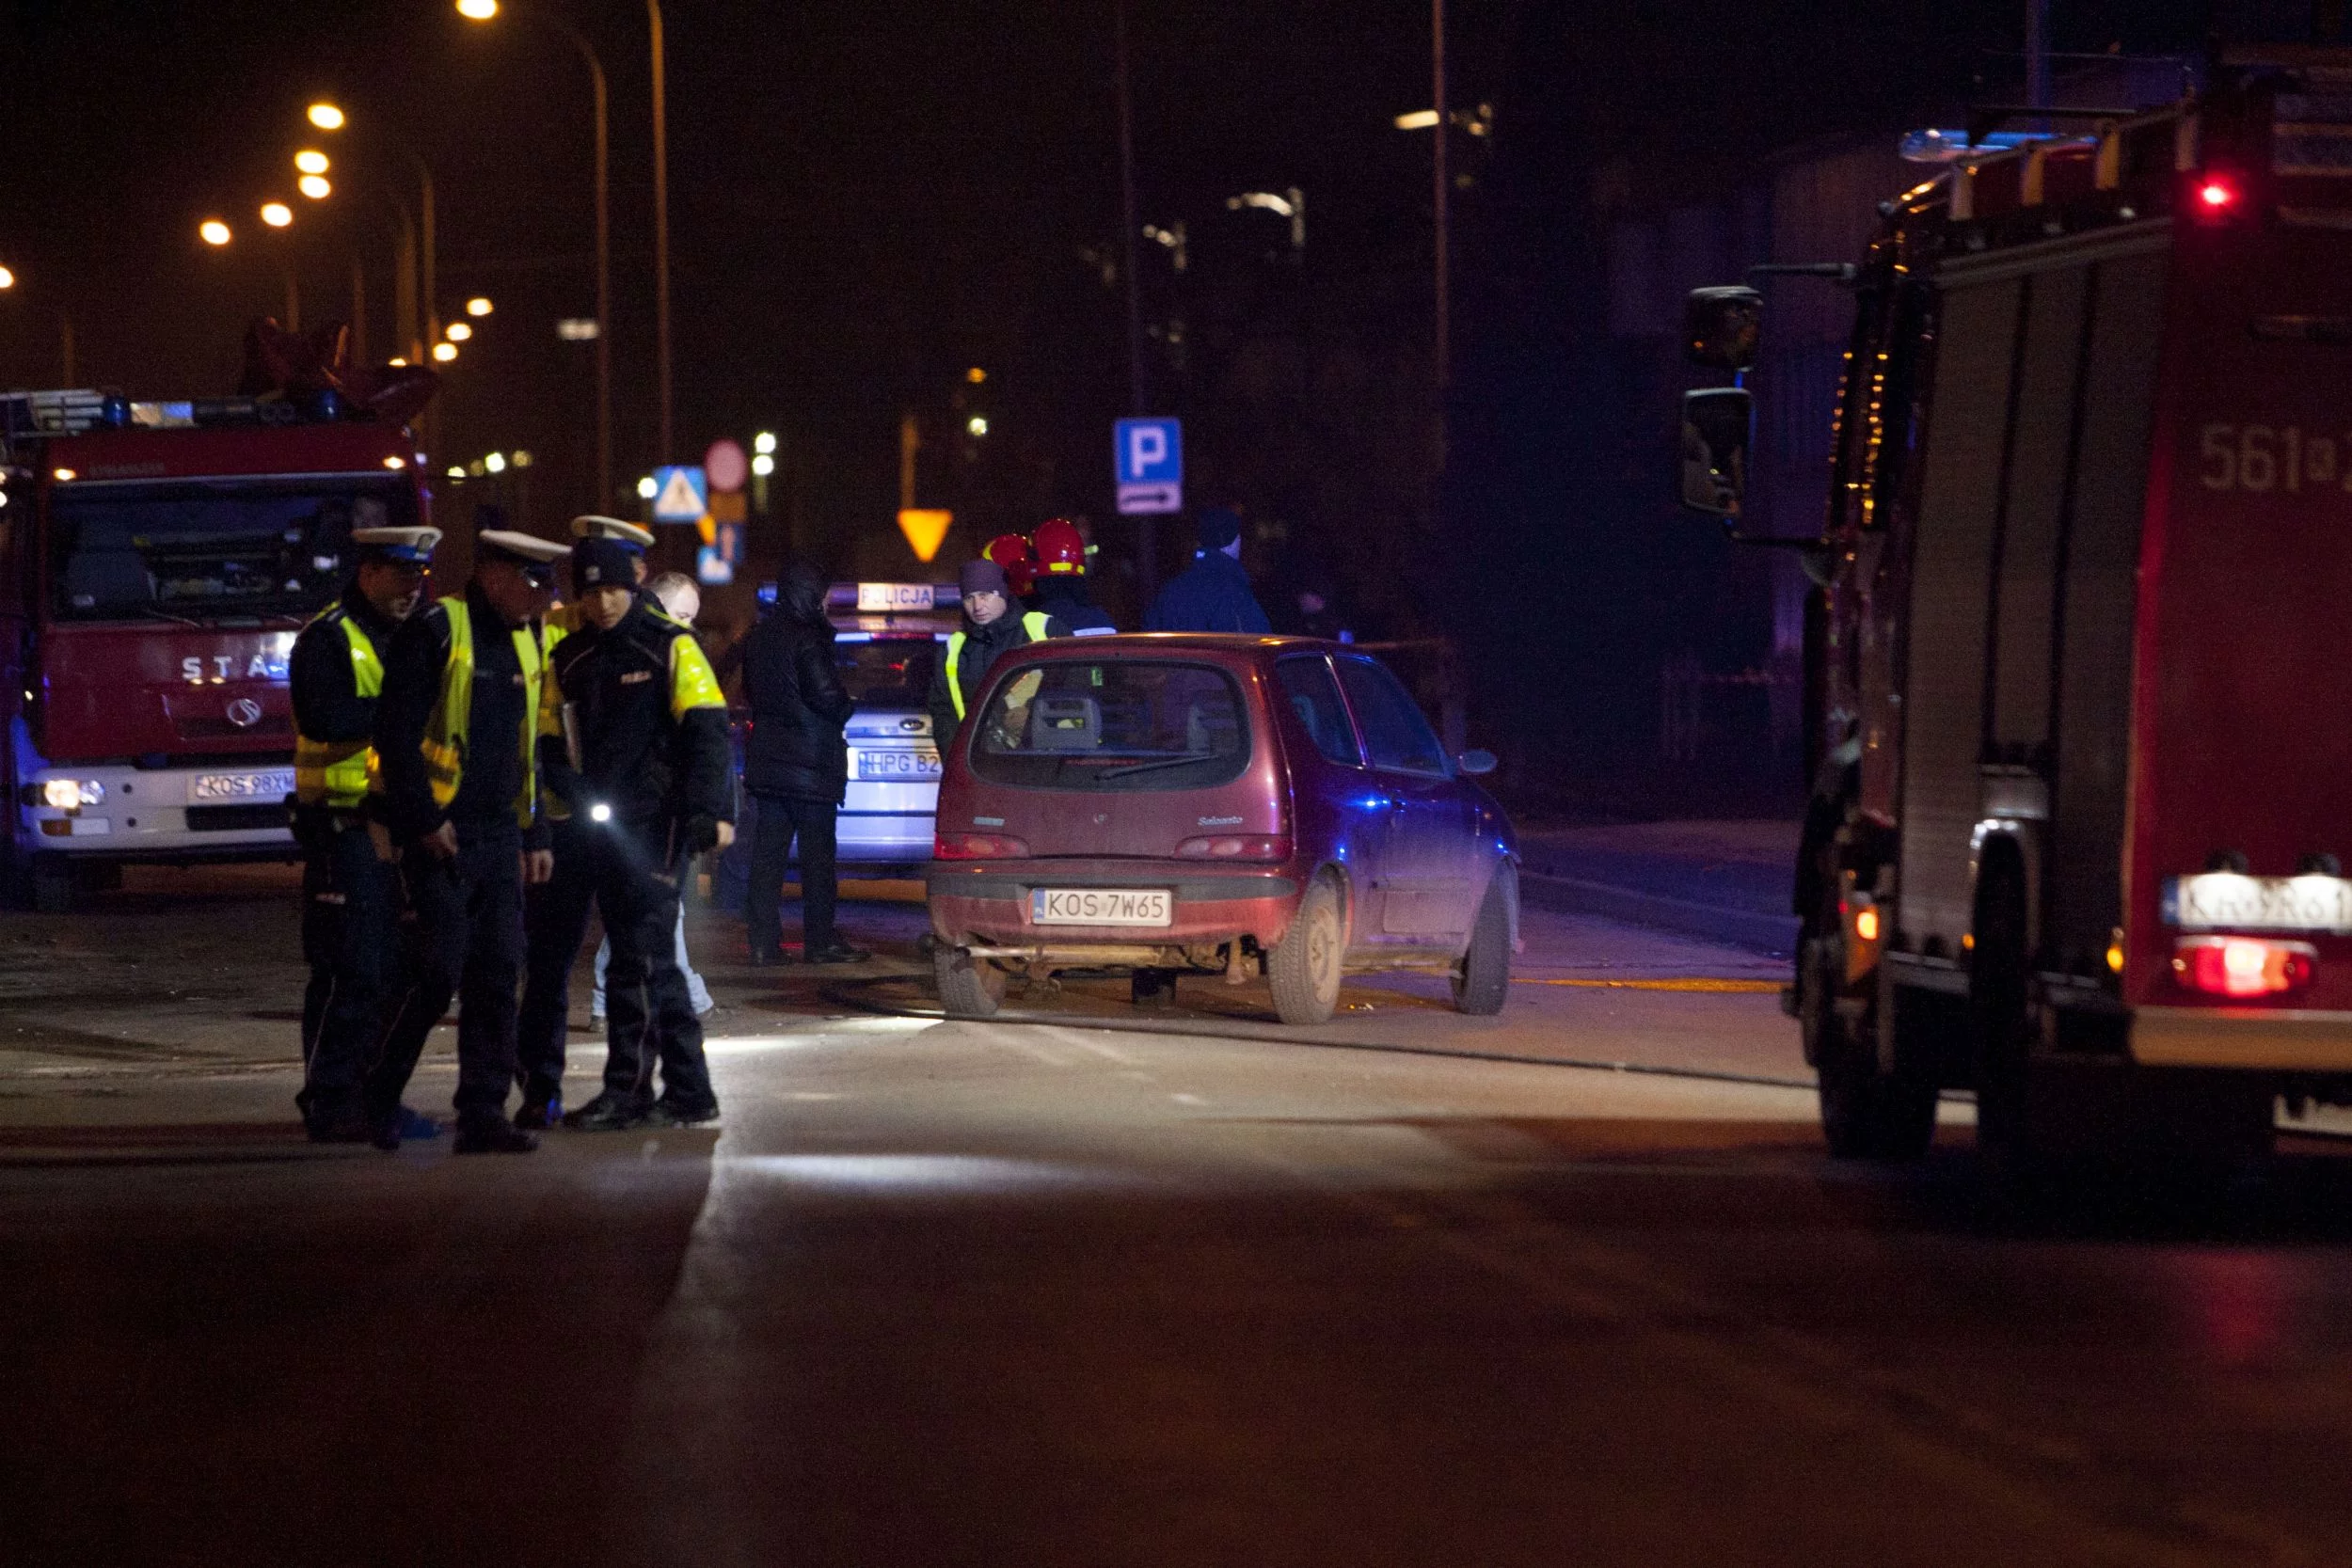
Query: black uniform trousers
(555, 922)
(781, 818)
(351, 940)
(467, 940)
(649, 1015)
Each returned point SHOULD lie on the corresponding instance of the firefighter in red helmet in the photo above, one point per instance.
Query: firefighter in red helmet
(1062, 570)
(1011, 552)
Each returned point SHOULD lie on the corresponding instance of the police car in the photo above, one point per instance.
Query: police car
(887, 642)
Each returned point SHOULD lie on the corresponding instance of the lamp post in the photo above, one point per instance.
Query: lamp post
(482, 10)
(661, 225)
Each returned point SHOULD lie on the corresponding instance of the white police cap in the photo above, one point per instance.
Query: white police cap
(593, 527)
(519, 546)
(410, 546)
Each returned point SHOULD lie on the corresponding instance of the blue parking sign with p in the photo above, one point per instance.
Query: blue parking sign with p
(1148, 461)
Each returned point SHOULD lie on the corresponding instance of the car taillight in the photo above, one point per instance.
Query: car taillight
(1236, 846)
(2243, 966)
(977, 846)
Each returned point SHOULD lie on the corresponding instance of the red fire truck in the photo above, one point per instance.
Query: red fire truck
(156, 559)
(2080, 660)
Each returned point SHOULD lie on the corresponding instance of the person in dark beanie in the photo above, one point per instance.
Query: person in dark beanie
(1213, 594)
(797, 767)
(990, 627)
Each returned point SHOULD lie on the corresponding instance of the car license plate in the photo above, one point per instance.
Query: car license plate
(2225, 901)
(1101, 906)
(272, 786)
(921, 764)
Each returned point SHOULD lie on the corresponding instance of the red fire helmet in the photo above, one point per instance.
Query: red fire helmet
(1011, 552)
(1062, 549)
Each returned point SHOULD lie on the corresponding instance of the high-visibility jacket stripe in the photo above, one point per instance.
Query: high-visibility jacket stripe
(342, 773)
(1033, 623)
(444, 746)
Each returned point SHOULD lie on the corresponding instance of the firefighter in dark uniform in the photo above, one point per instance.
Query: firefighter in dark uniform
(555, 912)
(453, 732)
(635, 741)
(350, 896)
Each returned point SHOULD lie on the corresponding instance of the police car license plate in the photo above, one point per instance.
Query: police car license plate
(1089, 906)
(274, 784)
(923, 764)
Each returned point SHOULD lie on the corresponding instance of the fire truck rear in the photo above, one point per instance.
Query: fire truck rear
(2079, 677)
(156, 559)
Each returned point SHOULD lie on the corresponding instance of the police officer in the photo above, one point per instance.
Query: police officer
(454, 731)
(639, 747)
(1060, 554)
(991, 629)
(350, 898)
(555, 912)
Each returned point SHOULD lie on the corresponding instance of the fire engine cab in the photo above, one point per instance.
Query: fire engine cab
(2079, 663)
(156, 559)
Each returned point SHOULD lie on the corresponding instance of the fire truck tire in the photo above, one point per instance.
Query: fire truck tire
(2000, 1021)
(968, 986)
(1484, 981)
(1867, 1113)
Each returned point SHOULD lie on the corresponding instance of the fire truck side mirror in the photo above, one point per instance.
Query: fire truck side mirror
(1721, 328)
(1716, 422)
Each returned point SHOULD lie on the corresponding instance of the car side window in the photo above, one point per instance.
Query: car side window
(1307, 686)
(1395, 735)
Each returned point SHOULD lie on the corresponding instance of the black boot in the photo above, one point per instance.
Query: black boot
(492, 1135)
(608, 1113)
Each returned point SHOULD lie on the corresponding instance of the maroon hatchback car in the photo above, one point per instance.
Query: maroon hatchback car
(1167, 805)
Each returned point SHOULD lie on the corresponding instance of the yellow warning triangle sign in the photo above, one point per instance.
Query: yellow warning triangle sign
(924, 528)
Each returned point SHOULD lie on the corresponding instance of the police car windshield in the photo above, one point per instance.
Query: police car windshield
(1119, 724)
(887, 671)
(199, 547)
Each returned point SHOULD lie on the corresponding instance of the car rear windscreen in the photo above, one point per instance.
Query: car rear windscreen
(888, 671)
(1114, 725)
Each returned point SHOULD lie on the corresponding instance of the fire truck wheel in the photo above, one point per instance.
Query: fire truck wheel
(1866, 1114)
(2000, 1021)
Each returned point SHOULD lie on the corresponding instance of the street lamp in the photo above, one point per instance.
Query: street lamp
(213, 231)
(457, 332)
(276, 213)
(482, 10)
(327, 117)
(314, 186)
(311, 161)
(7, 278)
(444, 352)
(479, 306)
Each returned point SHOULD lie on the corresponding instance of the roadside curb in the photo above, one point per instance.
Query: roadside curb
(1773, 934)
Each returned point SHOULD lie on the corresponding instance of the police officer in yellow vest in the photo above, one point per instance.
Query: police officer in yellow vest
(350, 900)
(454, 731)
(555, 913)
(992, 626)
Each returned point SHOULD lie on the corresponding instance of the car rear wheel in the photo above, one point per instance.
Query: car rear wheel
(1304, 967)
(968, 986)
(1484, 978)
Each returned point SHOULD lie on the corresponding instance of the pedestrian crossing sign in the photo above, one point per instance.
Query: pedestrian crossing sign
(680, 495)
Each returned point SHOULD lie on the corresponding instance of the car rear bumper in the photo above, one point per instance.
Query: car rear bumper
(987, 902)
(2248, 1037)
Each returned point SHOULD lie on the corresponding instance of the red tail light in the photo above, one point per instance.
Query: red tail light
(2214, 194)
(1236, 846)
(977, 846)
(2243, 966)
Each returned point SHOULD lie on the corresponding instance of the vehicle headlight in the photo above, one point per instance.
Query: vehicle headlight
(68, 794)
(599, 813)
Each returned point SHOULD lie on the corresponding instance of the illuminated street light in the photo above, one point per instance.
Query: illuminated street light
(645, 488)
(479, 306)
(457, 332)
(521, 459)
(495, 463)
(276, 213)
(398, 362)
(214, 231)
(311, 161)
(477, 10)
(764, 442)
(1420, 120)
(327, 117)
(763, 464)
(7, 278)
(444, 352)
(976, 375)
(456, 472)
(976, 424)
(579, 329)
(314, 186)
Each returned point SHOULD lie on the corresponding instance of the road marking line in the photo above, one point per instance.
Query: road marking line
(1692, 982)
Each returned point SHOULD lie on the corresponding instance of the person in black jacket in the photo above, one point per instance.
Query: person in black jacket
(634, 738)
(993, 626)
(797, 767)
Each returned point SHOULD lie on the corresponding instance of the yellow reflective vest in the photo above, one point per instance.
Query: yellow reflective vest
(1034, 623)
(342, 773)
(444, 745)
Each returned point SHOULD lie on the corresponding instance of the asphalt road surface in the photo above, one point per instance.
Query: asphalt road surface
(1572, 1287)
